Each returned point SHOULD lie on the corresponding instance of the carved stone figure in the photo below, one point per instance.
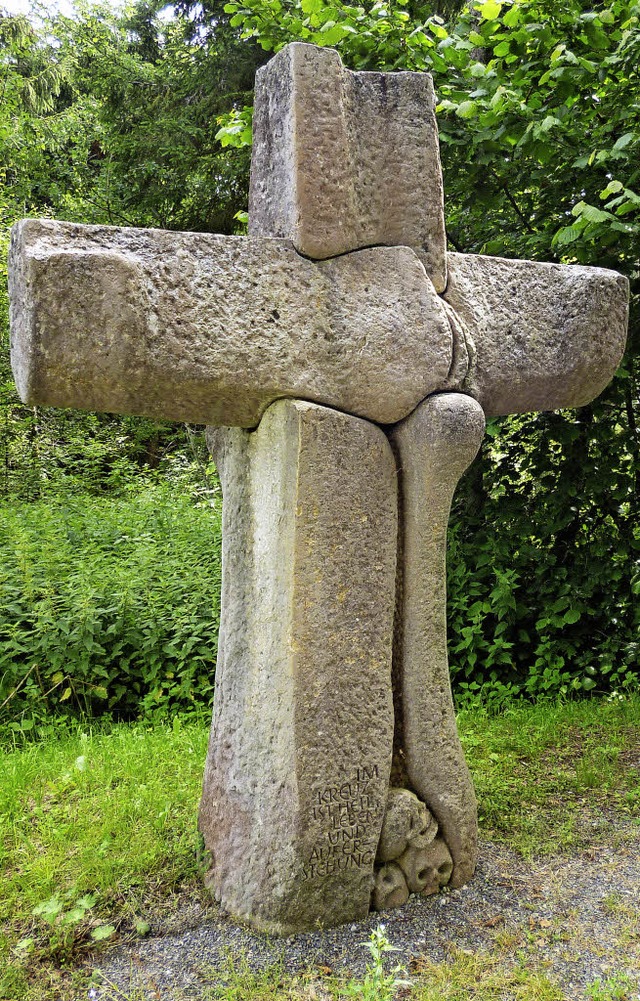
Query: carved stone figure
(345, 362)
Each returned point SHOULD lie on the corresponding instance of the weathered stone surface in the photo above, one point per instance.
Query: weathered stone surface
(212, 329)
(427, 869)
(346, 160)
(390, 889)
(545, 335)
(433, 448)
(407, 821)
(300, 752)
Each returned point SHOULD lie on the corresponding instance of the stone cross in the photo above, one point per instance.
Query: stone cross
(345, 362)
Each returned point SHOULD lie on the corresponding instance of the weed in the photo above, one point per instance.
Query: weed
(377, 985)
(481, 976)
(614, 988)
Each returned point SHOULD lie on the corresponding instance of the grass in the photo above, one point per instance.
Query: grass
(464, 976)
(105, 815)
(98, 836)
(544, 774)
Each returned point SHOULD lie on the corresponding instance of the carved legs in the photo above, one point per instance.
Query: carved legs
(433, 446)
(296, 806)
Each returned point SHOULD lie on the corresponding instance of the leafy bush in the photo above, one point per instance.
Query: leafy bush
(108, 604)
(544, 561)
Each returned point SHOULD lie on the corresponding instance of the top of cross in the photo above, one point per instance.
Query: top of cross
(346, 160)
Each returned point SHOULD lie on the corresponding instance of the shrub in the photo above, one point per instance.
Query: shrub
(108, 604)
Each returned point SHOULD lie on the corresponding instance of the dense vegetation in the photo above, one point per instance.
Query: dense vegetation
(111, 526)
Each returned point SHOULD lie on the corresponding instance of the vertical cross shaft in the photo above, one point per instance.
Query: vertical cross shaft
(327, 174)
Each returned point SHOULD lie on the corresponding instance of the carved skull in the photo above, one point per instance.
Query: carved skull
(427, 869)
(407, 822)
(390, 888)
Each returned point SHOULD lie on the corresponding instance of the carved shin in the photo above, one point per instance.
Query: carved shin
(433, 448)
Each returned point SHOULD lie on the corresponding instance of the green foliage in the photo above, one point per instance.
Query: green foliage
(107, 605)
(613, 988)
(67, 918)
(59, 156)
(543, 576)
(141, 119)
(534, 765)
(377, 984)
(95, 828)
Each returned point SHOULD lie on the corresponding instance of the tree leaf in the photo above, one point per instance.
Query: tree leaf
(568, 234)
(467, 109)
(624, 140)
(593, 214)
(489, 10)
(612, 188)
(102, 932)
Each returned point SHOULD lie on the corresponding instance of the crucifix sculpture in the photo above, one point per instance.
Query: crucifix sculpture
(345, 363)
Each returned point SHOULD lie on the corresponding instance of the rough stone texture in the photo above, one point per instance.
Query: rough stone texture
(212, 329)
(433, 448)
(346, 160)
(300, 751)
(390, 889)
(428, 869)
(407, 821)
(545, 335)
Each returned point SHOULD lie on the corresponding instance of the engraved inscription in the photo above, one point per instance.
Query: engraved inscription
(348, 814)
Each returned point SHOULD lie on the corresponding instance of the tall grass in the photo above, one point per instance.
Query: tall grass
(107, 604)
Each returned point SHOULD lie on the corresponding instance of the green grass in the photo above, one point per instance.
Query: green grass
(542, 772)
(111, 815)
(99, 826)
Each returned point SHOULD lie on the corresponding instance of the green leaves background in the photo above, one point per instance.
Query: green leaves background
(144, 118)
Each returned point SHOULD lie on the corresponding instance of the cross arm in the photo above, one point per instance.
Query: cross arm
(212, 329)
(539, 336)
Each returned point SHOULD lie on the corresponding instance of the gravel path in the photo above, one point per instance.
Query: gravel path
(576, 918)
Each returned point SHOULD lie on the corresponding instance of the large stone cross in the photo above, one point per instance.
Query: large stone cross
(346, 363)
